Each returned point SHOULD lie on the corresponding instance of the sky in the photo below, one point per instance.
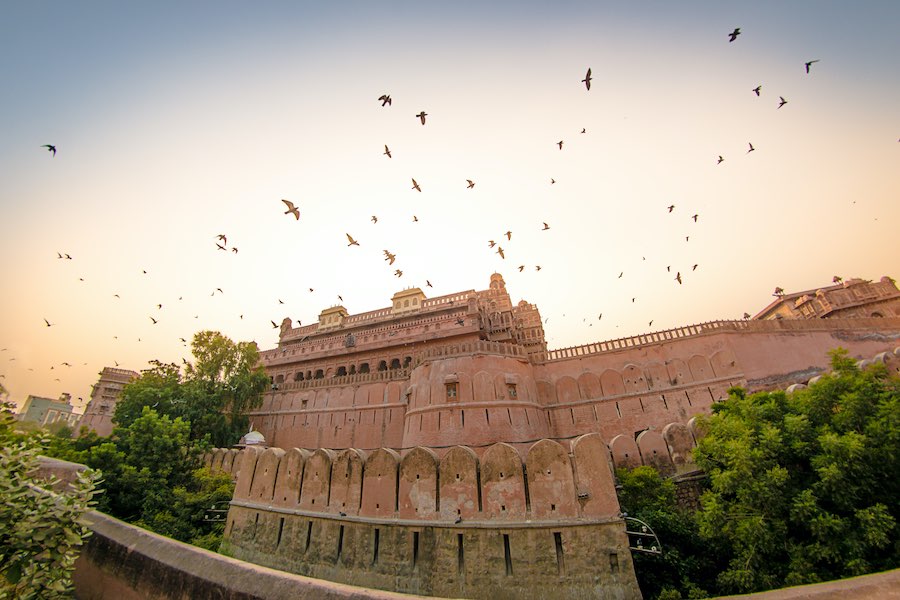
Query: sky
(175, 122)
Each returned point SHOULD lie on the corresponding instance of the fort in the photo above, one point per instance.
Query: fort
(438, 447)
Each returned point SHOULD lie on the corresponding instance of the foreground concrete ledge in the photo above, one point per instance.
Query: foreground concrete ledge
(121, 562)
(880, 586)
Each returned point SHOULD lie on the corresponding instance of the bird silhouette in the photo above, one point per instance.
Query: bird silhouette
(583, 130)
(559, 143)
(546, 227)
(387, 151)
(340, 298)
(650, 324)
(280, 301)
(687, 238)
(49, 324)
(751, 148)
(720, 159)
(491, 243)
(351, 241)
(694, 268)
(733, 35)
(552, 181)
(415, 219)
(457, 521)
(694, 217)
(219, 290)
(782, 101)
(746, 315)
(837, 279)
(398, 273)
(778, 292)
(159, 306)
(460, 321)
(374, 219)
(274, 324)
(389, 257)
(587, 79)
(809, 64)
(58, 255)
(234, 249)
(154, 320)
(537, 267)
(620, 274)
(220, 246)
(471, 184)
(508, 235)
(428, 283)
(521, 268)
(310, 290)
(678, 277)
(671, 207)
(422, 116)
(757, 89)
(221, 237)
(385, 99)
(500, 252)
(416, 186)
(291, 209)
(50, 148)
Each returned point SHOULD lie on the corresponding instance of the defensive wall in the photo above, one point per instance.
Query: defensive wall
(479, 392)
(464, 525)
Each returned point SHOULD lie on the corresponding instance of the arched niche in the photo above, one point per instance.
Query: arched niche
(244, 481)
(625, 453)
(589, 386)
(502, 483)
(595, 484)
(380, 483)
(700, 368)
(263, 487)
(418, 484)
(567, 390)
(634, 379)
(681, 445)
(459, 484)
(316, 481)
(612, 383)
(551, 483)
(347, 481)
(655, 452)
(290, 474)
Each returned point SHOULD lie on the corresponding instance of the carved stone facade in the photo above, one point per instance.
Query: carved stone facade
(104, 396)
(848, 299)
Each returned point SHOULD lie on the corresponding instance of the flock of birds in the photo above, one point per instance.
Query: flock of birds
(292, 209)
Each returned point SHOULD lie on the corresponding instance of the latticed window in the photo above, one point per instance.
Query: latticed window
(451, 391)
(511, 390)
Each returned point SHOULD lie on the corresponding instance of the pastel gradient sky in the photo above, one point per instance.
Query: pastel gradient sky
(175, 122)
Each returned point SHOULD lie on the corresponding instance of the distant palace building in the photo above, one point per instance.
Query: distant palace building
(851, 298)
(47, 411)
(104, 395)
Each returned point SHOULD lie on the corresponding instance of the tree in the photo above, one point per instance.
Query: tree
(213, 393)
(41, 530)
(687, 565)
(805, 487)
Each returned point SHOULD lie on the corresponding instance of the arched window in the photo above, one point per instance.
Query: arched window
(407, 361)
(352, 369)
(279, 379)
(382, 366)
(298, 376)
(319, 374)
(395, 364)
(364, 368)
(341, 371)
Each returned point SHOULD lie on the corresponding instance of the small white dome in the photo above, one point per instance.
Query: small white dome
(253, 438)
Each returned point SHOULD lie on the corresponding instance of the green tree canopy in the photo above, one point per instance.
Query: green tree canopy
(804, 486)
(212, 394)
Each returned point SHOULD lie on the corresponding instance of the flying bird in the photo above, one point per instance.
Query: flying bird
(154, 320)
(650, 324)
(694, 217)
(694, 268)
(374, 219)
(560, 143)
(415, 219)
(428, 283)
(52, 148)
(387, 151)
(416, 186)
(340, 298)
(552, 181)
(234, 249)
(291, 209)
(671, 207)
(757, 89)
(746, 315)
(620, 274)
(491, 243)
(587, 80)
(778, 292)
(220, 246)
(810, 63)
(751, 148)
(351, 241)
(385, 99)
(48, 322)
(389, 257)
(678, 277)
(422, 116)
(221, 237)
(837, 279)
(500, 252)
(159, 306)
(274, 325)
(546, 227)
(733, 35)
(521, 268)
(537, 267)
(471, 184)
(720, 160)
(782, 101)
(508, 235)
(398, 273)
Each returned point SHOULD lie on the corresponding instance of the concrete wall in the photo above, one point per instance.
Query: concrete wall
(496, 527)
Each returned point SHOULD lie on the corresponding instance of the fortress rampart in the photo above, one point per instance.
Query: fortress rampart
(491, 526)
